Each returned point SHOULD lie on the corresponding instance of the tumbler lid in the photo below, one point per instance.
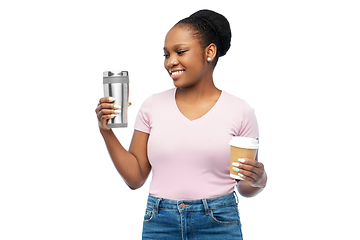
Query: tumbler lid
(116, 73)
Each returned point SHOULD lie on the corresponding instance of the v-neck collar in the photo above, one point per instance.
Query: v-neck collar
(203, 116)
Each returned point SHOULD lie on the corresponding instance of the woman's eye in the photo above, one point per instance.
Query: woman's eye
(181, 52)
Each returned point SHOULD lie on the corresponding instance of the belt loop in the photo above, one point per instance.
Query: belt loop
(207, 211)
(237, 199)
(157, 205)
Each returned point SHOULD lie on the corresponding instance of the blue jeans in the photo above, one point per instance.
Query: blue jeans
(214, 218)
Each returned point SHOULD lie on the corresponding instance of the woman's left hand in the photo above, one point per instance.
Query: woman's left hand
(252, 171)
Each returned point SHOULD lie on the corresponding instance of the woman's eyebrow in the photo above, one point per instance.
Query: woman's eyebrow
(176, 46)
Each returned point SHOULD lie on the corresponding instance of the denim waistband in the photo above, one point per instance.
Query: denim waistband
(193, 205)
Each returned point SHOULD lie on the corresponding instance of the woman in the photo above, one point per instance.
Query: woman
(183, 136)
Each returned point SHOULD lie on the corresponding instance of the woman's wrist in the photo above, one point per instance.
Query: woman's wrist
(261, 183)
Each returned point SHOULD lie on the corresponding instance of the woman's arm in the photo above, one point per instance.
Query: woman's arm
(132, 165)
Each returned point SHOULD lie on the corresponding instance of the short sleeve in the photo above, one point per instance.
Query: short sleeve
(143, 119)
(249, 126)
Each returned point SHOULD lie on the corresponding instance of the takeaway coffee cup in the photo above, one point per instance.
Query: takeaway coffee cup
(241, 147)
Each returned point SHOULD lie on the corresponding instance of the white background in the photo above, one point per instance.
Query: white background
(295, 62)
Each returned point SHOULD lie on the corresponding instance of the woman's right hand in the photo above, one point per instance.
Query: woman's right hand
(106, 109)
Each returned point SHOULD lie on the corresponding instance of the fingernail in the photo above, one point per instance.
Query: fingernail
(117, 111)
(117, 106)
(113, 115)
(236, 169)
(111, 99)
(236, 164)
(241, 175)
(241, 178)
(241, 160)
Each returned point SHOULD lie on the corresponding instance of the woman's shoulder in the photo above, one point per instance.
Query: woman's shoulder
(237, 105)
(233, 100)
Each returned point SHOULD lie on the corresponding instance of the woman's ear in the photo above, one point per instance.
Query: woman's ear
(211, 52)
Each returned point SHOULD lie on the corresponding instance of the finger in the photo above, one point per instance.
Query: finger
(104, 120)
(249, 169)
(241, 172)
(250, 162)
(107, 106)
(107, 113)
(248, 176)
(106, 100)
(255, 176)
(257, 167)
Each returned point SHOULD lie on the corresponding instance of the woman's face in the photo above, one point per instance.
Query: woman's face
(184, 57)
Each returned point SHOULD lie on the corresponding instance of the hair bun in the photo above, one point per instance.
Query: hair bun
(221, 26)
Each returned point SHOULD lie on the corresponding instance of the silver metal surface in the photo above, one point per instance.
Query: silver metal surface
(116, 85)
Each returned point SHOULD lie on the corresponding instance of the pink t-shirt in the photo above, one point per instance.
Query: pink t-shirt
(191, 159)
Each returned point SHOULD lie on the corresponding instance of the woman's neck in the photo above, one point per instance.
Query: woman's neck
(203, 91)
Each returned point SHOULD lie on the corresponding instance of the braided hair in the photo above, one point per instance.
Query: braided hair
(210, 27)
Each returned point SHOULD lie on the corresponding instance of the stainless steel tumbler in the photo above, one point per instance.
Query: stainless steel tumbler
(116, 85)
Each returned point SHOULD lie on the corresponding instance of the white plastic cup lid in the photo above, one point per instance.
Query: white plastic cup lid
(244, 142)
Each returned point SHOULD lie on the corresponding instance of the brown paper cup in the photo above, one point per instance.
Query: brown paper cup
(235, 154)
(241, 147)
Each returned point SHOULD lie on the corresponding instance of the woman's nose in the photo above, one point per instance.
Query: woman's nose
(172, 61)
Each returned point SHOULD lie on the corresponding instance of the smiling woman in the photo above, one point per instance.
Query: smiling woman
(182, 135)
(184, 58)
(197, 42)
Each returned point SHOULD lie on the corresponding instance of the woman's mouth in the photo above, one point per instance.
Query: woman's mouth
(176, 74)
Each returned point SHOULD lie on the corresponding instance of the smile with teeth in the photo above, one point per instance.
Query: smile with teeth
(176, 72)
